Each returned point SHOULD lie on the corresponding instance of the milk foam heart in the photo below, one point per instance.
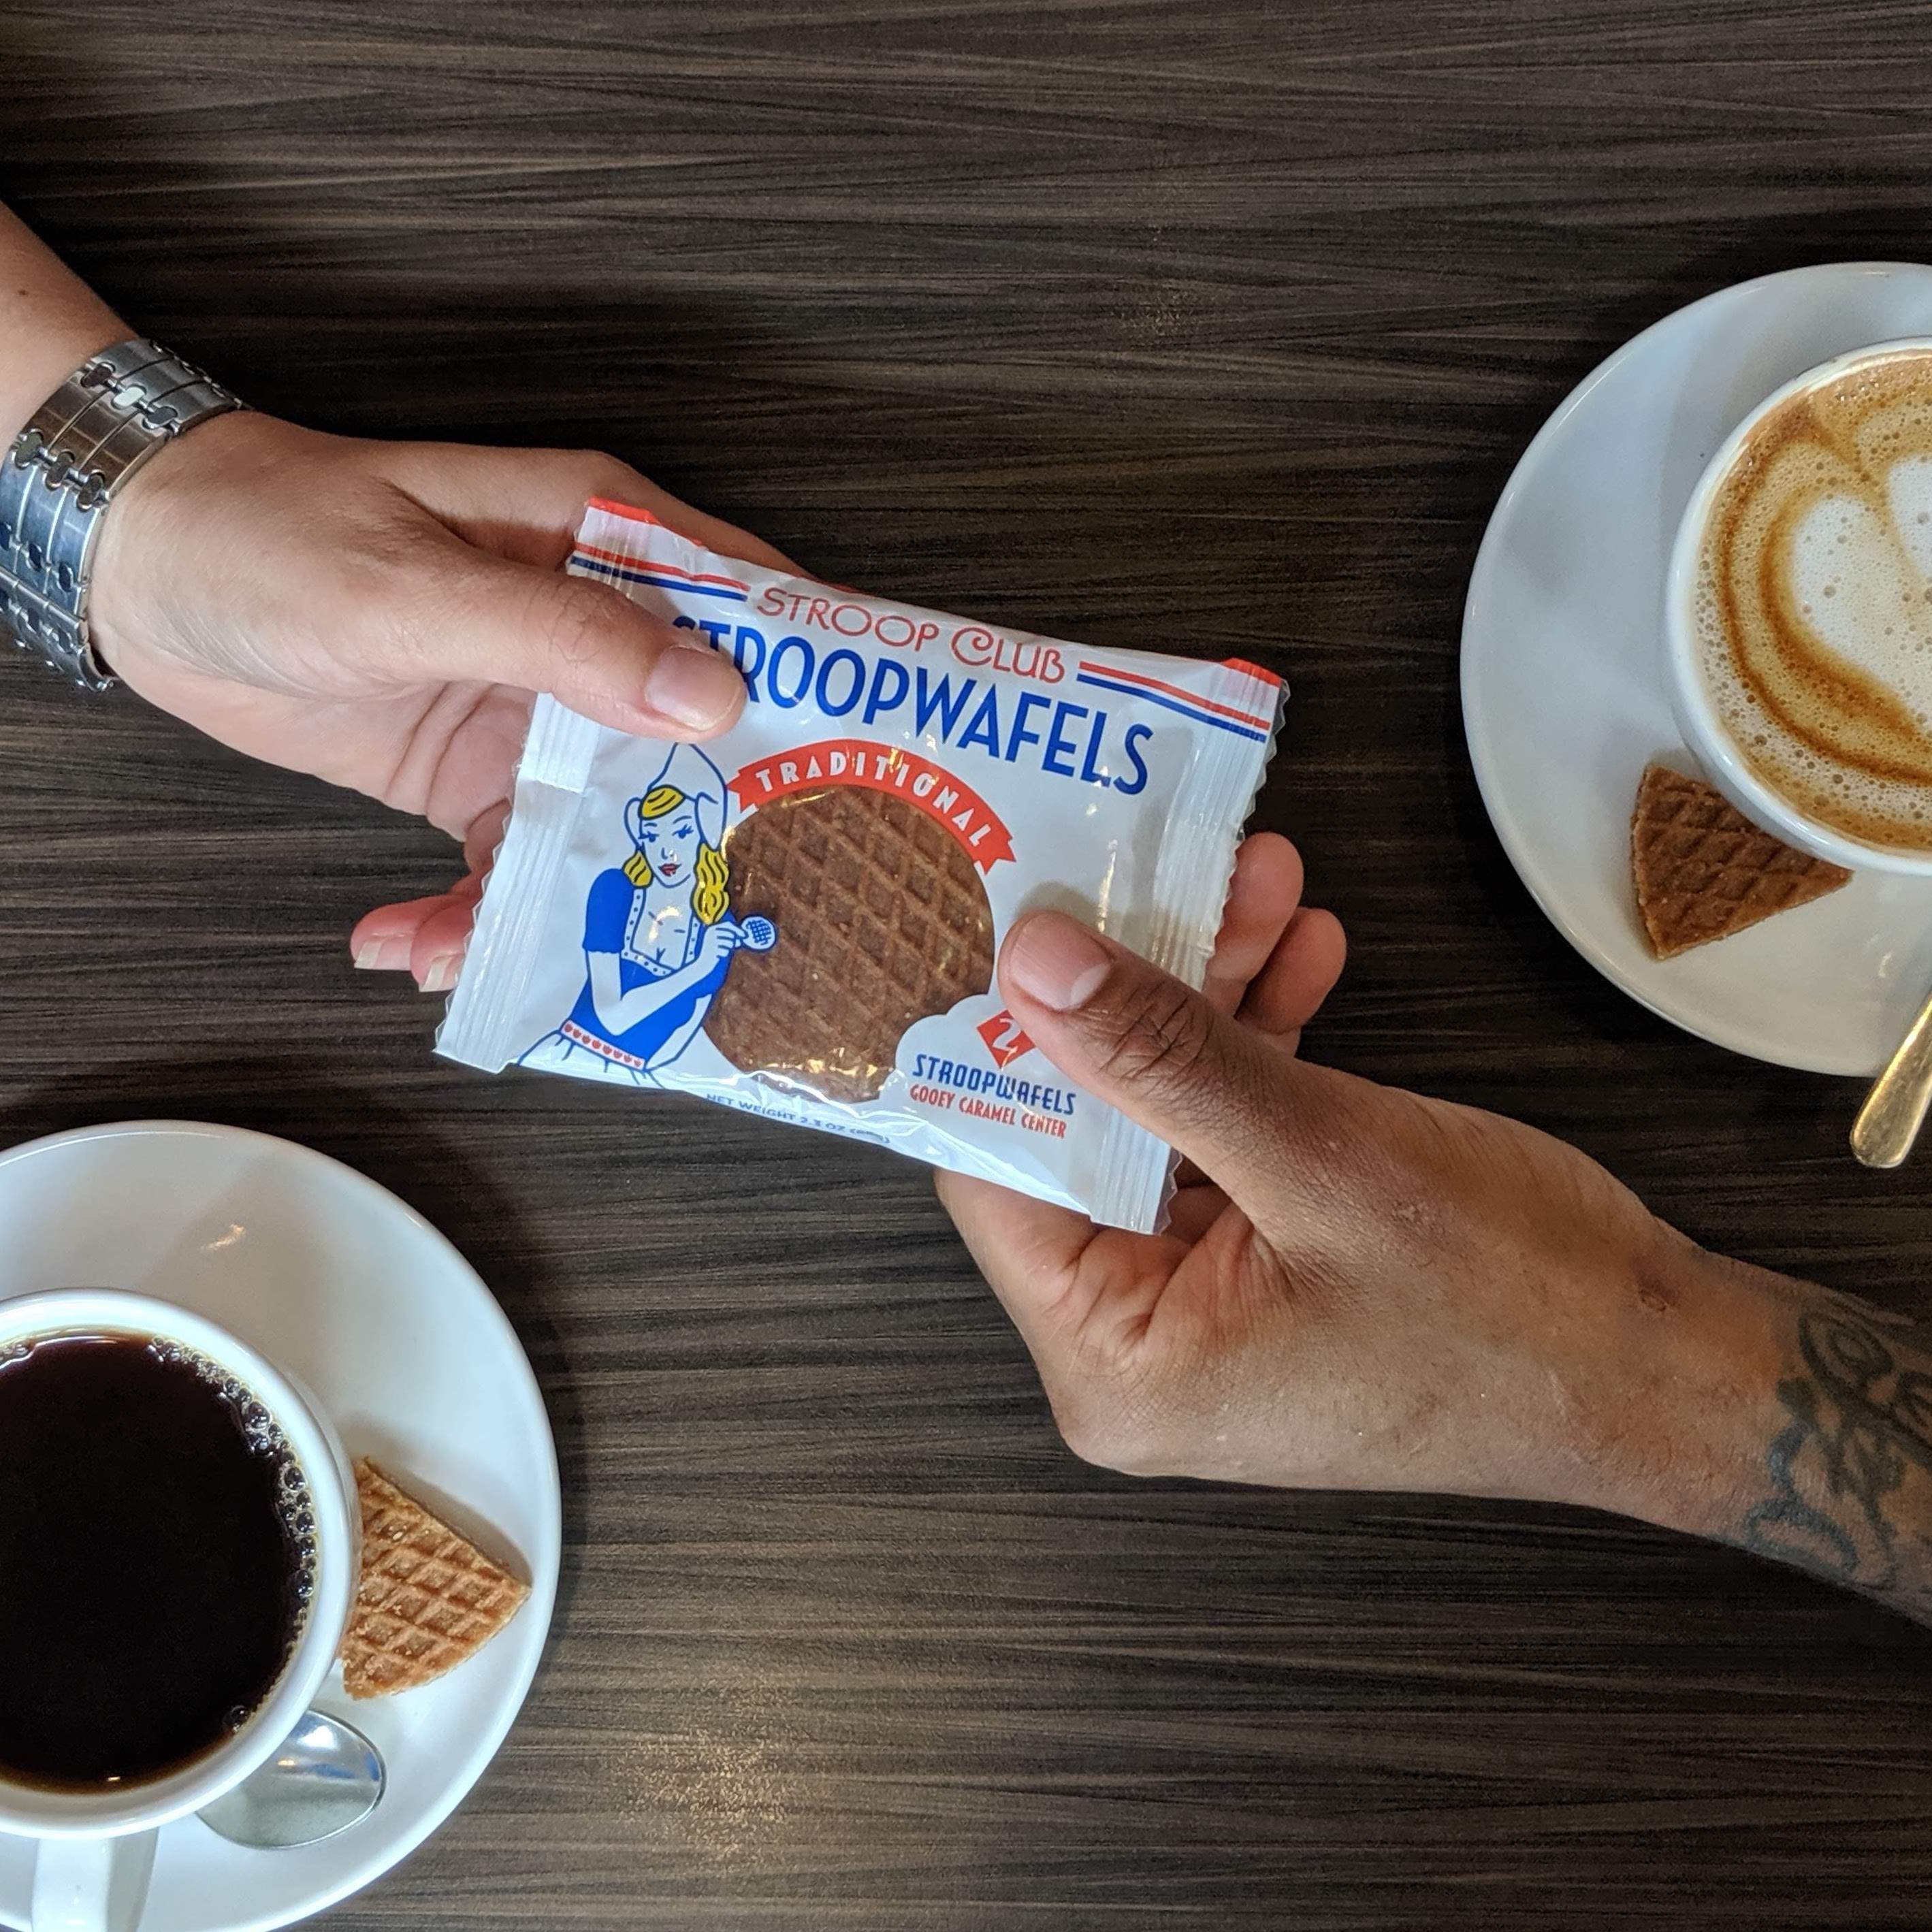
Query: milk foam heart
(1814, 600)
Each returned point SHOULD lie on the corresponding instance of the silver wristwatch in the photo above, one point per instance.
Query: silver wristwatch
(117, 410)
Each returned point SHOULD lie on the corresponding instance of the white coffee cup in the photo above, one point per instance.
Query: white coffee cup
(96, 1847)
(1697, 718)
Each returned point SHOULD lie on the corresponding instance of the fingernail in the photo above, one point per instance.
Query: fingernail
(1056, 960)
(693, 686)
(439, 975)
(383, 956)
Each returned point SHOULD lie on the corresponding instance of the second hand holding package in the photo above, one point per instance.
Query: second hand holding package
(800, 919)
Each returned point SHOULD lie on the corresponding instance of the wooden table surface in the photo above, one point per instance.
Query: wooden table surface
(1212, 326)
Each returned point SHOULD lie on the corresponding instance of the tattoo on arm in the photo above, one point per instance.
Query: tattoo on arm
(1851, 1470)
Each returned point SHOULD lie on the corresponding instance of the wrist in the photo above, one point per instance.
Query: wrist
(1694, 1439)
(1797, 1425)
(50, 323)
(35, 367)
(99, 428)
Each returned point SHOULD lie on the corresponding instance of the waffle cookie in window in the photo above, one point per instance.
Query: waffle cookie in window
(880, 920)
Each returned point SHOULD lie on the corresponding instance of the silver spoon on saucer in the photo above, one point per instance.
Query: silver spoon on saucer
(326, 1777)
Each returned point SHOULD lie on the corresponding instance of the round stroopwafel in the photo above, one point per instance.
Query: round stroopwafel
(882, 919)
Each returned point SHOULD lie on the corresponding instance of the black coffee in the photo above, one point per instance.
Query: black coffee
(156, 1556)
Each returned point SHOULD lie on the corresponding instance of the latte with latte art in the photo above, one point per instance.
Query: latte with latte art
(1813, 601)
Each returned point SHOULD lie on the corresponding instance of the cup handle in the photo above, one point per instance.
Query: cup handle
(92, 1884)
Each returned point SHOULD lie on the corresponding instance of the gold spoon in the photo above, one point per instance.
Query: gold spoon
(1894, 1110)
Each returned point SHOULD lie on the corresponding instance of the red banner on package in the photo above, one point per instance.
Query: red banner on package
(859, 761)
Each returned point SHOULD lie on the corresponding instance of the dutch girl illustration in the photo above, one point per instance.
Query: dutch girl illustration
(657, 936)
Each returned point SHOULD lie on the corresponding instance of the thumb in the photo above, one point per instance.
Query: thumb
(497, 622)
(1156, 1049)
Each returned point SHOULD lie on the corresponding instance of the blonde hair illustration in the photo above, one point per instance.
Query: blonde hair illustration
(709, 897)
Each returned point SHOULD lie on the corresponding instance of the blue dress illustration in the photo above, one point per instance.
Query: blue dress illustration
(657, 936)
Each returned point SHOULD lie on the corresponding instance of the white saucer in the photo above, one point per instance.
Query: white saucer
(334, 1280)
(1564, 692)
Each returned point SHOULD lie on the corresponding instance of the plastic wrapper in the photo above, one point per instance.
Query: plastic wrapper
(800, 919)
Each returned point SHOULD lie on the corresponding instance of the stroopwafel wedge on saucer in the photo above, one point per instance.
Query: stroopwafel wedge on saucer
(1703, 870)
(428, 1600)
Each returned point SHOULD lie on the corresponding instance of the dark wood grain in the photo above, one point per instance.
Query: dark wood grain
(1212, 325)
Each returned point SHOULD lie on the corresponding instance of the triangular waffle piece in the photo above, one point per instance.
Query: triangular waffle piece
(429, 1599)
(1703, 870)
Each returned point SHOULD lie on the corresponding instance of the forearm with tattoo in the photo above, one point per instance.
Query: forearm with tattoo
(1848, 1474)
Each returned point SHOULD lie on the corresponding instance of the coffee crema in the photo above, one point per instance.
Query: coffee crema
(157, 1555)
(1813, 609)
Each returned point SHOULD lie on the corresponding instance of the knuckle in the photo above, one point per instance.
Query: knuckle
(383, 565)
(1156, 1036)
(596, 472)
(387, 544)
(576, 620)
(1086, 1428)
(402, 605)
(394, 592)
(1102, 1427)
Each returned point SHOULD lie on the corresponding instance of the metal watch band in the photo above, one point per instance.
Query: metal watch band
(119, 409)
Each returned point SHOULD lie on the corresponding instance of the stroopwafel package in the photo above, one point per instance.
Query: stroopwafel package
(800, 919)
